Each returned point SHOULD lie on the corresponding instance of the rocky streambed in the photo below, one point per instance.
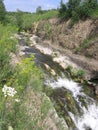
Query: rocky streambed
(75, 102)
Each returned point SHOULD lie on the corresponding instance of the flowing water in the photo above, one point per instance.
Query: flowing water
(82, 109)
(88, 120)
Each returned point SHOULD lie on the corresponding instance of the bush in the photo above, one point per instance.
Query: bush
(75, 17)
(2, 11)
(19, 20)
(77, 9)
(7, 45)
(80, 73)
(14, 114)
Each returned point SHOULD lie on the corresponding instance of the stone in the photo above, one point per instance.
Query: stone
(96, 90)
(10, 128)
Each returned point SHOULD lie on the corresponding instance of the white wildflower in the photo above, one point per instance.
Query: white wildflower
(8, 91)
(17, 100)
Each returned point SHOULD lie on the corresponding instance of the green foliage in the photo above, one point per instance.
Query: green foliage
(75, 74)
(7, 45)
(75, 18)
(69, 68)
(77, 9)
(24, 75)
(19, 20)
(28, 74)
(27, 22)
(87, 43)
(39, 10)
(62, 10)
(47, 29)
(91, 4)
(2, 12)
(94, 14)
(79, 73)
(28, 82)
(24, 21)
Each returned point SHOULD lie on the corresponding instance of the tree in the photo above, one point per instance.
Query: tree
(62, 7)
(2, 11)
(39, 10)
(19, 19)
(73, 5)
(62, 10)
(91, 3)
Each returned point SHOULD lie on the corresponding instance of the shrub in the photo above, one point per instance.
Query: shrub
(80, 73)
(19, 20)
(2, 11)
(7, 45)
(77, 9)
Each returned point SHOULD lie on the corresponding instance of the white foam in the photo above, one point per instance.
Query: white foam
(89, 118)
(69, 84)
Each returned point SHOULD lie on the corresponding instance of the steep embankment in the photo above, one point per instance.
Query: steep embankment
(79, 42)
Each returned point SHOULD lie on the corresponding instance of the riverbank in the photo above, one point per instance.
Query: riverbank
(77, 42)
(33, 101)
(60, 93)
(67, 58)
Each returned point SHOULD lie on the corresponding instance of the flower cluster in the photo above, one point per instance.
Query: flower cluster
(8, 91)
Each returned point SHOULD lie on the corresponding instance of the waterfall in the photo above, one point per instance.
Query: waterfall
(88, 120)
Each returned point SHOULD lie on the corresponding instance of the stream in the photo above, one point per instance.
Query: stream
(79, 110)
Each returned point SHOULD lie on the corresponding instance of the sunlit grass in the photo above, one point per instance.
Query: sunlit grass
(37, 17)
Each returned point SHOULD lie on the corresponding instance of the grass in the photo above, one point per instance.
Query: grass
(32, 109)
(87, 43)
(44, 16)
(94, 14)
(33, 17)
(27, 19)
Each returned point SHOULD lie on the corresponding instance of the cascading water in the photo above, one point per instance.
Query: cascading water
(88, 120)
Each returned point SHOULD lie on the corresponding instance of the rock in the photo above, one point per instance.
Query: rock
(47, 66)
(34, 39)
(96, 90)
(10, 128)
(50, 69)
(53, 72)
(17, 36)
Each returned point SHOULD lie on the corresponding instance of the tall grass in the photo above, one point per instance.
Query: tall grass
(28, 107)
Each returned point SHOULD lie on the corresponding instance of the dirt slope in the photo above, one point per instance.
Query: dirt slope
(79, 41)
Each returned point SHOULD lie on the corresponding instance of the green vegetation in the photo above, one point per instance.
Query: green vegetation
(19, 20)
(88, 42)
(94, 14)
(25, 80)
(77, 75)
(2, 11)
(77, 9)
(20, 88)
(39, 10)
(25, 21)
(23, 105)
(48, 30)
(7, 45)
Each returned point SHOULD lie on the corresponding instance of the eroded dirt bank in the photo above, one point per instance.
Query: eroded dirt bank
(79, 43)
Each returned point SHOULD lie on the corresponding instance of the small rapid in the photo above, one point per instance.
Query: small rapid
(88, 120)
(84, 111)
